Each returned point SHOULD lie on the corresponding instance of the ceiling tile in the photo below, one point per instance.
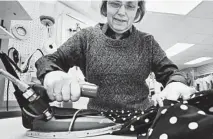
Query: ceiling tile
(208, 40)
(204, 10)
(195, 38)
(198, 25)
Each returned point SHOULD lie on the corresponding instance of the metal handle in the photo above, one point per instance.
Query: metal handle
(88, 90)
(21, 85)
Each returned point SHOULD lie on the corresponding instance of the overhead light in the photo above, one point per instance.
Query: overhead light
(177, 48)
(181, 7)
(198, 60)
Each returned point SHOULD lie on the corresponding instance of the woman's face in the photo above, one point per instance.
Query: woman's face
(121, 14)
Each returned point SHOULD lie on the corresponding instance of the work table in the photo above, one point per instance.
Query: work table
(11, 128)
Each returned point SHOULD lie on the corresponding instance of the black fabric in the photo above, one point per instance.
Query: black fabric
(176, 120)
(64, 113)
(110, 33)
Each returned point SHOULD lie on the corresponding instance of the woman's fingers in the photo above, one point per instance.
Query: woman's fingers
(50, 92)
(187, 93)
(57, 90)
(66, 90)
(75, 90)
(158, 100)
(62, 86)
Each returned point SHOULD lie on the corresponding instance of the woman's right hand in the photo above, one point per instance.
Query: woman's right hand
(61, 86)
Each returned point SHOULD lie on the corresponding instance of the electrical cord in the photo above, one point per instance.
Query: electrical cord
(40, 51)
(32, 115)
(8, 82)
(17, 68)
(28, 61)
(7, 101)
(73, 120)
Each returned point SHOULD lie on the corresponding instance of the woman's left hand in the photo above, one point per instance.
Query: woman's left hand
(174, 91)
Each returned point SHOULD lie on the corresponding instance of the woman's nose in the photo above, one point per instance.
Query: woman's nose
(122, 10)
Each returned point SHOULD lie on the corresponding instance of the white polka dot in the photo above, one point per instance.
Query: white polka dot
(111, 111)
(114, 120)
(193, 125)
(102, 113)
(129, 114)
(132, 128)
(118, 116)
(150, 131)
(193, 96)
(173, 120)
(163, 136)
(142, 112)
(146, 120)
(183, 107)
(201, 95)
(211, 109)
(138, 118)
(124, 119)
(163, 111)
(128, 111)
(110, 114)
(185, 102)
(172, 104)
(201, 112)
(136, 111)
(144, 134)
(122, 111)
(135, 117)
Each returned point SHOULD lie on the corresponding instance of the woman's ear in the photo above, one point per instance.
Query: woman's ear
(137, 14)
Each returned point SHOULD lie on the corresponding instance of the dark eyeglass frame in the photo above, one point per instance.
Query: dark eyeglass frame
(117, 5)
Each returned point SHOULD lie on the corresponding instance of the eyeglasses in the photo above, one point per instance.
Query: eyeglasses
(117, 5)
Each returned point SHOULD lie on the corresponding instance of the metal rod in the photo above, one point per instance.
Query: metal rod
(21, 85)
(2, 22)
(76, 19)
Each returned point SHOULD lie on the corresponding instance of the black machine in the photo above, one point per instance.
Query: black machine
(37, 104)
(44, 120)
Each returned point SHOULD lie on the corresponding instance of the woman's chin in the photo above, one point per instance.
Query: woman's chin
(119, 30)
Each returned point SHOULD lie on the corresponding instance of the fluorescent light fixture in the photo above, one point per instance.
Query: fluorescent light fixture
(181, 7)
(177, 48)
(198, 60)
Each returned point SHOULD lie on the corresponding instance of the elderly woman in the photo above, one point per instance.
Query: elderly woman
(115, 56)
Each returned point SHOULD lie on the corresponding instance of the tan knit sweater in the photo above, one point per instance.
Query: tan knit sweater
(118, 67)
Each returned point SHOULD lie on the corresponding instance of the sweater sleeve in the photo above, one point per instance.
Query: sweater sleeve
(69, 54)
(165, 70)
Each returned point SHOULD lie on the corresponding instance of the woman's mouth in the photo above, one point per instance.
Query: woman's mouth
(120, 20)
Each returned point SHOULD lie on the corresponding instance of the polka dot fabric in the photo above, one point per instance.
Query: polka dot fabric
(184, 119)
(133, 121)
(176, 120)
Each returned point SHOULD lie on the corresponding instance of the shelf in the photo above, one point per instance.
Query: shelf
(13, 10)
(4, 34)
(10, 114)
